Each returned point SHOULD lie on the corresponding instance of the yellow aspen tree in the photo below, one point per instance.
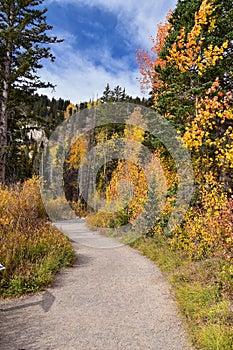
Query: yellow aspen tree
(77, 152)
(209, 135)
(189, 53)
(131, 171)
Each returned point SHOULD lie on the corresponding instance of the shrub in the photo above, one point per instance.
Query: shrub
(30, 245)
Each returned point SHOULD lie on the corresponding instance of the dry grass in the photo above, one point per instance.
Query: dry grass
(31, 248)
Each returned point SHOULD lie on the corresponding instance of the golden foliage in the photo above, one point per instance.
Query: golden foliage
(29, 244)
(209, 134)
(77, 152)
(189, 53)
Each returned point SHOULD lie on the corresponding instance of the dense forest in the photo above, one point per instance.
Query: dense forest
(189, 71)
(39, 117)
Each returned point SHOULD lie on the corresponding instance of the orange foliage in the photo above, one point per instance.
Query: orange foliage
(208, 231)
(129, 172)
(147, 63)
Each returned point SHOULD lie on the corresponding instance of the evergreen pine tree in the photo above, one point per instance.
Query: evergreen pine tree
(24, 43)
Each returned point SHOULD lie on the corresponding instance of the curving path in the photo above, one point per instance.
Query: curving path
(113, 298)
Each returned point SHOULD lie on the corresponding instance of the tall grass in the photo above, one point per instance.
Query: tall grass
(31, 248)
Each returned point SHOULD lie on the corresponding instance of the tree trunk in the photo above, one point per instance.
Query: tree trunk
(3, 143)
(3, 116)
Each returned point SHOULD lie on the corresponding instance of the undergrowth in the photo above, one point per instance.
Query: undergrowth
(203, 290)
(31, 250)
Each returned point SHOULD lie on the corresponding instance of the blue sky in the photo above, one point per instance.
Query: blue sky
(100, 42)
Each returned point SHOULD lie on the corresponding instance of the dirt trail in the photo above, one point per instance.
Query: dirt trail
(111, 299)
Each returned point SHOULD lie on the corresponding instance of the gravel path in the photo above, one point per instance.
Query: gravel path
(111, 299)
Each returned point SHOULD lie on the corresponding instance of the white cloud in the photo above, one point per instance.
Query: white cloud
(78, 79)
(137, 20)
(75, 74)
